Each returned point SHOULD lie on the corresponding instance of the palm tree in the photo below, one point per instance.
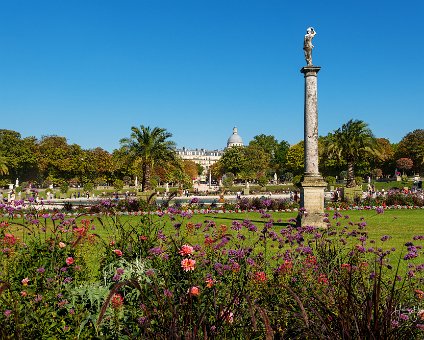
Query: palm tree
(149, 146)
(3, 166)
(351, 143)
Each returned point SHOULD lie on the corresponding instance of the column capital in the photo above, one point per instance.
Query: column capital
(310, 70)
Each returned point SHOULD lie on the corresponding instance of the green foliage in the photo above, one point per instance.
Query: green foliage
(331, 180)
(118, 184)
(294, 158)
(359, 180)
(353, 142)
(228, 179)
(262, 181)
(288, 177)
(64, 187)
(297, 179)
(149, 147)
(88, 187)
(234, 280)
(412, 146)
(233, 160)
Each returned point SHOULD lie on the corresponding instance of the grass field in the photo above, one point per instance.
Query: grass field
(400, 224)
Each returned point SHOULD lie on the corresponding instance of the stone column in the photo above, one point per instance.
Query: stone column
(312, 185)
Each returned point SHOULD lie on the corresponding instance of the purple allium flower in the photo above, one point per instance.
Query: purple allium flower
(235, 225)
(410, 256)
(120, 271)
(142, 320)
(161, 235)
(363, 238)
(150, 272)
(403, 317)
(7, 313)
(41, 270)
(67, 280)
(385, 238)
(116, 277)
(411, 273)
(38, 298)
(250, 261)
(379, 210)
(156, 251)
(167, 293)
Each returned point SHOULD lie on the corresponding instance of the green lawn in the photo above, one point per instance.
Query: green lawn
(400, 225)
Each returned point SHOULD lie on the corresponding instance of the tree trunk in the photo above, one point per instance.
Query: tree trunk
(350, 175)
(145, 182)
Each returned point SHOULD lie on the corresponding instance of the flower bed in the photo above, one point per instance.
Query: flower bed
(204, 280)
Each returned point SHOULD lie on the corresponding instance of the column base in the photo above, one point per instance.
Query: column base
(312, 201)
(313, 220)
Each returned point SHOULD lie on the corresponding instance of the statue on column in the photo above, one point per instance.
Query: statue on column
(307, 45)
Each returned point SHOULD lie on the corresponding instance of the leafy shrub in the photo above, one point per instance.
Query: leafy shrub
(118, 184)
(331, 180)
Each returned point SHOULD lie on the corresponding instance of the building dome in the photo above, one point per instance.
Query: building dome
(235, 139)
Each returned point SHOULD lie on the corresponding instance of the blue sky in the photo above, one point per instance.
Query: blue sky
(89, 70)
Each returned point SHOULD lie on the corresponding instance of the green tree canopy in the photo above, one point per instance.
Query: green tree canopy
(294, 158)
(412, 146)
(352, 142)
(149, 146)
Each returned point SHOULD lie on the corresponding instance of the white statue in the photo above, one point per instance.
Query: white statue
(17, 183)
(307, 45)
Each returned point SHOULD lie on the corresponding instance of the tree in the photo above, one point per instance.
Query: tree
(267, 143)
(412, 146)
(255, 163)
(20, 155)
(294, 159)
(60, 161)
(149, 146)
(352, 142)
(232, 160)
(280, 157)
(386, 161)
(404, 164)
(190, 168)
(103, 164)
(3, 166)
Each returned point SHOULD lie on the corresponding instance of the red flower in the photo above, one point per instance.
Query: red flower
(117, 252)
(194, 291)
(186, 250)
(69, 260)
(323, 279)
(188, 264)
(209, 282)
(117, 301)
(260, 277)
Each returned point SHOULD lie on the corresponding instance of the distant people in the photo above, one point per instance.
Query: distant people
(335, 196)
